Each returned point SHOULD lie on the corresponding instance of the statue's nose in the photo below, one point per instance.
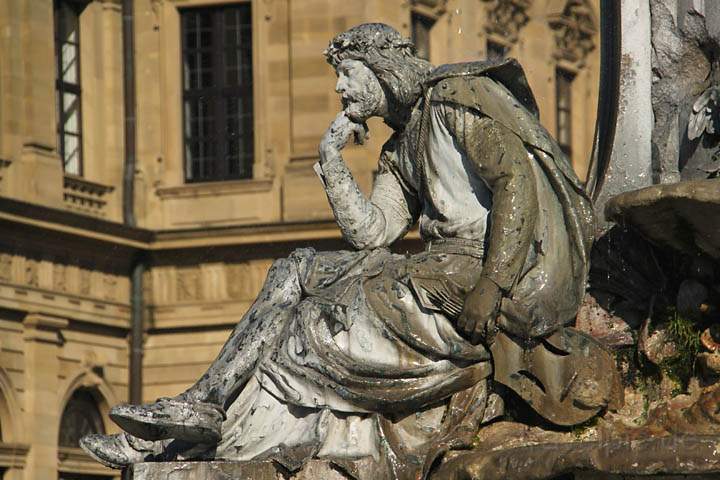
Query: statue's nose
(340, 86)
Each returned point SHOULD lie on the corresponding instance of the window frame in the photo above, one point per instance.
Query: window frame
(219, 95)
(417, 18)
(62, 87)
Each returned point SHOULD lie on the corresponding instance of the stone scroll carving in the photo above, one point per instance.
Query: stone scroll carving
(505, 18)
(575, 30)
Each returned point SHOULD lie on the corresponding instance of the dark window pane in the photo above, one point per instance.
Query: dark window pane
(563, 109)
(217, 91)
(81, 417)
(495, 51)
(421, 26)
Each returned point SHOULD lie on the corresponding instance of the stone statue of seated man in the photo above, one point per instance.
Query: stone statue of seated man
(366, 354)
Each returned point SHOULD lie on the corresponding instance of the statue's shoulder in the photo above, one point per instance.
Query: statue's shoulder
(499, 90)
(471, 83)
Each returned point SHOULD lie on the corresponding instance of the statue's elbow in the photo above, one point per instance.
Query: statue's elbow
(365, 242)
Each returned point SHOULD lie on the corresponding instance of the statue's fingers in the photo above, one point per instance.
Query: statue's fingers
(360, 131)
(461, 322)
(478, 333)
(469, 328)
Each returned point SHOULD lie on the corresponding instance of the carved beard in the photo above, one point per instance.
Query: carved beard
(361, 105)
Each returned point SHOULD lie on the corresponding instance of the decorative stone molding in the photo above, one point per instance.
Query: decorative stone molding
(213, 189)
(85, 196)
(13, 454)
(575, 29)
(188, 284)
(75, 461)
(244, 280)
(58, 278)
(437, 6)
(432, 9)
(6, 267)
(215, 282)
(43, 328)
(31, 277)
(505, 18)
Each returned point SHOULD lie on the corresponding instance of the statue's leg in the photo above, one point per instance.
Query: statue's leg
(197, 414)
(253, 335)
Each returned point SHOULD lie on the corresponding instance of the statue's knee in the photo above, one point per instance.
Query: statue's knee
(282, 269)
(282, 279)
(303, 258)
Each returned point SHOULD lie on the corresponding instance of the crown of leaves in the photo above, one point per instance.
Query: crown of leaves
(364, 39)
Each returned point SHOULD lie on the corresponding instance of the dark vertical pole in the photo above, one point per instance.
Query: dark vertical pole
(137, 331)
(608, 94)
(138, 266)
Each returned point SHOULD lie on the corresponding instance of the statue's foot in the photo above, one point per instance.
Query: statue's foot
(115, 451)
(195, 422)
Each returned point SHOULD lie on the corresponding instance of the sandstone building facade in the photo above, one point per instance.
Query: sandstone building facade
(231, 98)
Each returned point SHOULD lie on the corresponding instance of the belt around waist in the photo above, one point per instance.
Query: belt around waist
(457, 246)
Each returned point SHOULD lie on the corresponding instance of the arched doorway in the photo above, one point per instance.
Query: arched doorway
(81, 416)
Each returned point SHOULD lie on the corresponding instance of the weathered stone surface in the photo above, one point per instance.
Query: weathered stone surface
(709, 363)
(683, 215)
(629, 165)
(684, 51)
(218, 470)
(675, 455)
(609, 329)
(657, 345)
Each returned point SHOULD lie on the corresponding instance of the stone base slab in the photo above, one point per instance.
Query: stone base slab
(218, 470)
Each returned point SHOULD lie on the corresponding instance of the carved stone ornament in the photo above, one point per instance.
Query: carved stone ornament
(85, 282)
(575, 29)
(705, 115)
(31, 273)
(6, 267)
(505, 18)
(59, 277)
(188, 284)
(109, 287)
(438, 6)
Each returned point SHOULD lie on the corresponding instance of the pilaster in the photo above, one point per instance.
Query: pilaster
(42, 338)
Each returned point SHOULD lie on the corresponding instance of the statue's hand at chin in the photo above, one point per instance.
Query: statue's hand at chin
(339, 132)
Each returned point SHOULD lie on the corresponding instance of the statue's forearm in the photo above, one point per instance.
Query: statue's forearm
(512, 222)
(361, 222)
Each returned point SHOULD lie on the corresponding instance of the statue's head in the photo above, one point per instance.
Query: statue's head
(378, 72)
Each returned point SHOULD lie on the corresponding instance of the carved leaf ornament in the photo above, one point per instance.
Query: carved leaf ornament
(705, 115)
(505, 18)
(575, 30)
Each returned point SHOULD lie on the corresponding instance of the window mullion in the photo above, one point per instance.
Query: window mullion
(219, 78)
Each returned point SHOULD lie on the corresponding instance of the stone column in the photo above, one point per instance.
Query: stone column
(630, 165)
(43, 339)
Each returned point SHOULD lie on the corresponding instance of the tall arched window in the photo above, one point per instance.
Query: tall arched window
(80, 417)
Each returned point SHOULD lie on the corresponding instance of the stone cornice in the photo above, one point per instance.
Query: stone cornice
(15, 214)
(13, 454)
(192, 190)
(74, 460)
